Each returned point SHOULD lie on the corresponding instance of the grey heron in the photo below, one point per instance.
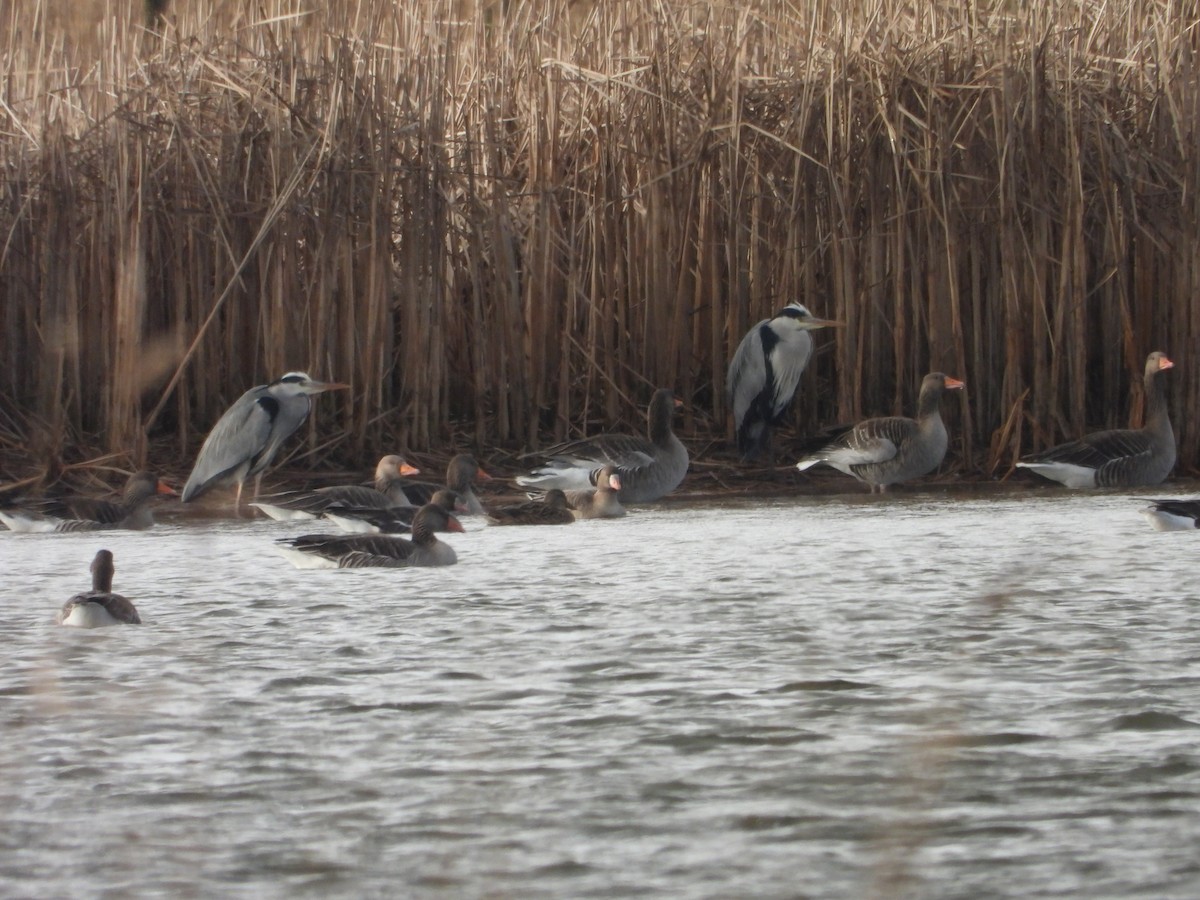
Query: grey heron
(250, 433)
(356, 551)
(132, 511)
(765, 371)
(648, 467)
(1122, 457)
(892, 449)
(99, 606)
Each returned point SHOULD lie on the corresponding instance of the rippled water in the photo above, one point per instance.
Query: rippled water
(829, 697)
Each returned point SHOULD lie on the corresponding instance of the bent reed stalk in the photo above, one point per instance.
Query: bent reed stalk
(506, 224)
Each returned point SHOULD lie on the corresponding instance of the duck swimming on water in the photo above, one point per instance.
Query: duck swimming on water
(132, 511)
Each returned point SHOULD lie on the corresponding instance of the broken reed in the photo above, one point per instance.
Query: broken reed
(505, 228)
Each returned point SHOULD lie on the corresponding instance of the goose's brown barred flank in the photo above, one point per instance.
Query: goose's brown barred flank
(1122, 457)
(892, 449)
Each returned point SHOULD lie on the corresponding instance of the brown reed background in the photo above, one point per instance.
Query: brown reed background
(505, 223)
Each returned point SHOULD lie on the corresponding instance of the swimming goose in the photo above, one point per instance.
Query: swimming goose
(132, 511)
(356, 551)
(387, 493)
(892, 449)
(250, 433)
(99, 606)
(647, 467)
(551, 510)
(395, 520)
(461, 474)
(1173, 515)
(1122, 457)
(764, 373)
(602, 503)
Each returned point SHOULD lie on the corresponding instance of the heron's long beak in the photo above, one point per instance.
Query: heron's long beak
(320, 387)
(812, 323)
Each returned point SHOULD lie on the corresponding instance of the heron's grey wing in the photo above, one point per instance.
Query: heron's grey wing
(788, 364)
(238, 439)
(747, 373)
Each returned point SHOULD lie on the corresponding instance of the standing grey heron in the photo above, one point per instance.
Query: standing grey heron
(764, 372)
(250, 433)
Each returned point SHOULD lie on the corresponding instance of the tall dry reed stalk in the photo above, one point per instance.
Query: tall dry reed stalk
(506, 223)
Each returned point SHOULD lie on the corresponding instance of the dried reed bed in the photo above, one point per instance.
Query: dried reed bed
(505, 223)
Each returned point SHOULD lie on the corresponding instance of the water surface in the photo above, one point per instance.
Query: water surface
(850, 697)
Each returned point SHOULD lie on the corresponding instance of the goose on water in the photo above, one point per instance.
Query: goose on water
(764, 373)
(394, 520)
(892, 449)
(356, 551)
(249, 434)
(132, 511)
(1173, 515)
(1121, 457)
(461, 474)
(647, 467)
(552, 509)
(387, 492)
(602, 503)
(99, 606)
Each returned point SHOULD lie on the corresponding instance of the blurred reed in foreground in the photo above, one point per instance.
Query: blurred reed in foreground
(506, 223)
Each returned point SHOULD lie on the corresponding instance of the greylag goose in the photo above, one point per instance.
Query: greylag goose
(647, 467)
(132, 511)
(892, 449)
(99, 606)
(1122, 457)
(602, 503)
(250, 433)
(396, 520)
(551, 510)
(1173, 515)
(765, 371)
(387, 493)
(461, 474)
(356, 551)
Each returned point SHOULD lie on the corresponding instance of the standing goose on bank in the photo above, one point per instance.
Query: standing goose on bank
(1173, 515)
(1122, 457)
(388, 492)
(132, 511)
(99, 606)
(647, 467)
(602, 503)
(393, 520)
(461, 474)
(892, 449)
(550, 510)
(250, 433)
(764, 373)
(357, 551)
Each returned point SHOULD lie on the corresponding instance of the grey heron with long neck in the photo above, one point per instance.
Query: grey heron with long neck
(765, 371)
(249, 434)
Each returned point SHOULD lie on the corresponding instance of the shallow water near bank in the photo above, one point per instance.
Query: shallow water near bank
(831, 697)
